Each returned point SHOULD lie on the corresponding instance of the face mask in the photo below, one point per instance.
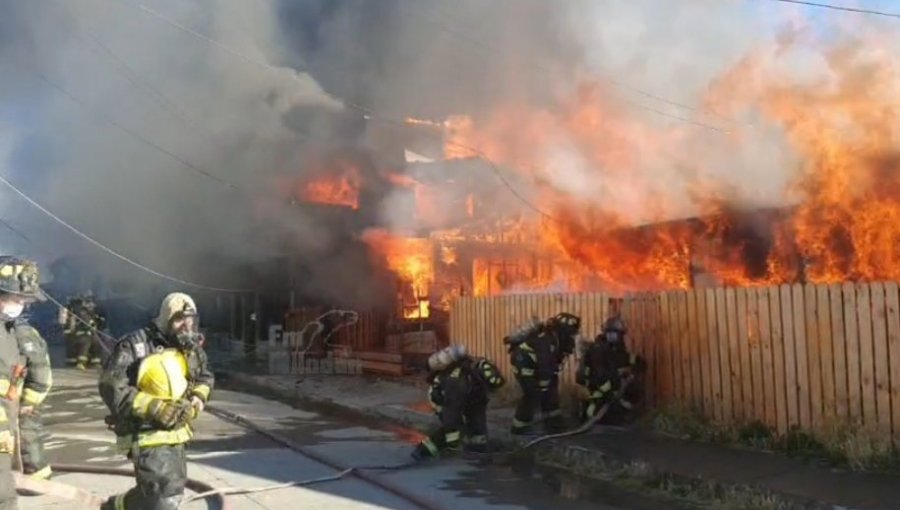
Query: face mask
(187, 337)
(12, 310)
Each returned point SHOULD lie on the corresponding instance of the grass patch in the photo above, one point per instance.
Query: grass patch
(682, 492)
(847, 446)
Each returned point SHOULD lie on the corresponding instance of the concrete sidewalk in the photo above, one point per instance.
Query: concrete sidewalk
(791, 479)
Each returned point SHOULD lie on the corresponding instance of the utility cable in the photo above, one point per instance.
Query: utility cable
(841, 8)
(112, 252)
(134, 134)
(367, 112)
(618, 84)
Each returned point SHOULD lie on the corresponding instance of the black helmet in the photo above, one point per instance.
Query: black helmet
(615, 324)
(567, 322)
(614, 330)
(20, 277)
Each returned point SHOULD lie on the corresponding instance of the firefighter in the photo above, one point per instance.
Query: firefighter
(37, 382)
(604, 368)
(156, 382)
(537, 352)
(459, 390)
(67, 322)
(85, 322)
(19, 286)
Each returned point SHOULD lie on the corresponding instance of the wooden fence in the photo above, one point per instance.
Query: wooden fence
(811, 356)
(481, 322)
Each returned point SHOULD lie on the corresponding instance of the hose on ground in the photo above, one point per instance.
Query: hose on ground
(362, 472)
(586, 426)
(358, 470)
(91, 500)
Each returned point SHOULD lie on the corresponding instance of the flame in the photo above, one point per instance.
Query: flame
(412, 260)
(339, 186)
(839, 222)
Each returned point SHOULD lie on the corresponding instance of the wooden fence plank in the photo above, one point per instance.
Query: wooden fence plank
(756, 358)
(778, 368)
(838, 336)
(694, 365)
(882, 359)
(743, 329)
(734, 354)
(892, 304)
(665, 382)
(658, 339)
(722, 375)
(851, 338)
(674, 352)
(866, 354)
(712, 332)
(704, 339)
(768, 368)
(788, 317)
(826, 350)
(800, 343)
(684, 347)
(814, 357)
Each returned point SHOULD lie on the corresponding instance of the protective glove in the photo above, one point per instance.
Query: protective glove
(168, 414)
(198, 403)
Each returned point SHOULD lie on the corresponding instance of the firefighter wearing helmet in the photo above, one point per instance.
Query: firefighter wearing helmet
(155, 382)
(605, 367)
(19, 287)
(459, 389)
(537, 352)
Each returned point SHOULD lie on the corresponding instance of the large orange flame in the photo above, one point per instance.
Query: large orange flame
(412, 259)
(840, 220)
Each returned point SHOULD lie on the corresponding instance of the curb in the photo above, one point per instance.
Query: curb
(551, 454)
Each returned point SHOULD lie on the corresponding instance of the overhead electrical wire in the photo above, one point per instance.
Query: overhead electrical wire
(112, 252)
(856, 10)
(617, 83)
(367, 112)
(134, 134)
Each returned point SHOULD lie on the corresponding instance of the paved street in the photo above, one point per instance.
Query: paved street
(226, 455)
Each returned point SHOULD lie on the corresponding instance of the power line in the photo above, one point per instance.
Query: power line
(134, 134)
(841, 8)
(367, 112)
(110, 250)
(617, 83)
(15, 230)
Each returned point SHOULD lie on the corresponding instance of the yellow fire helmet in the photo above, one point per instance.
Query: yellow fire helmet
(164, 375)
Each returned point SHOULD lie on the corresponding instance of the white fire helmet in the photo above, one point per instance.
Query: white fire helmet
(176, 302)
(446, 357)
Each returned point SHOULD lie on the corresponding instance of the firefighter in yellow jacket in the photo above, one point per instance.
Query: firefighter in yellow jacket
(19, 286)
(155, 383)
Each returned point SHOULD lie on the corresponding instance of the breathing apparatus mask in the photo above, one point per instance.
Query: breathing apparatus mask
(12, 309)
(614, 331)
(184, 330)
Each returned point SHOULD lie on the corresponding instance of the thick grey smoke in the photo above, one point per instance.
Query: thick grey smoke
(137, 133)
(72, 69)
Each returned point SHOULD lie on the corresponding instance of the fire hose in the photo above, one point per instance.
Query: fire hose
(362, 471)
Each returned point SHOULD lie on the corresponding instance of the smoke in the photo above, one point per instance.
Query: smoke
(137, 132)
(519, 68)
(163, 146)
